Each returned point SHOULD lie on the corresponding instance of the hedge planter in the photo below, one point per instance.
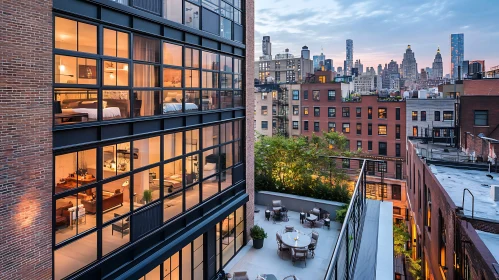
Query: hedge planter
(258, 234)
(258, 243)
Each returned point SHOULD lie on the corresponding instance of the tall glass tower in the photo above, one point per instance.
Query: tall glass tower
(349, 58)
(456, 53)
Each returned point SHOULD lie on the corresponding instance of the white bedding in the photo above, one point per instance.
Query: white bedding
(110, 112)
(177, 107)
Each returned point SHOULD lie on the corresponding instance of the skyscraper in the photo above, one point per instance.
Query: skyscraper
(456, 53)
(329, 65)
(340, 69)
(438, 66)
(359, 66)
(305, 52)
(349, 58)
(390, 74)
(409, 65)
(380, 69)
(266, 46)
(319, 61)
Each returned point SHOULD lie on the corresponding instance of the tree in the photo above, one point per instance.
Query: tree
(301, 165)
(400, 237)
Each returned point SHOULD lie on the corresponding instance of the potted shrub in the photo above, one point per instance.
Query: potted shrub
(147, 196)
(258, 234)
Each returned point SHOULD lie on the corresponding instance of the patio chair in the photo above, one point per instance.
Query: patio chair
(314, 236)
(289, 229)
(276, 205)
(291, 277)
(280, 246)
(299, 254)
(122, 226)
(240, 275)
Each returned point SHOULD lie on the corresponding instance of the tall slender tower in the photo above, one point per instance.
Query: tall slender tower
(456, 54)
(409, 65)
(349, 58)
(438, 66)
(266, 46)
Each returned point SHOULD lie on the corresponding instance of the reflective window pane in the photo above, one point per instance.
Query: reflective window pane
(172, 78)
(70, 258)
(87, 38)
(115, 104)
(75, 70)
(145, 75)
(65, 34)
(192, 100)
(172, 54)
(74, 105)
(172, 10)
(115, 73)
(147, 103)
(191, 15)
(145, 49)
(210, 100)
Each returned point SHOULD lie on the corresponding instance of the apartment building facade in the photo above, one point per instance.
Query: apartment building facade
(283, 68)
(431, 118)
(136, 164)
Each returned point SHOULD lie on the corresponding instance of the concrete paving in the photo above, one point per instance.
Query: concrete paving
(267, 261)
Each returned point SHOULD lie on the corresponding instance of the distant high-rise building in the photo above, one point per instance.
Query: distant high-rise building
(423, 76)
(319, 61)
(349, 58)
(266, 46)
(270, 70)
(429, 72)
(345, 72)
(329, 65)
(391, 75)
(456, 53)
(380, 69)
(465, 68)
(359, 66)
(438, 66)
(409, 65)
(340, 70)
(305, 52)
(476, 67)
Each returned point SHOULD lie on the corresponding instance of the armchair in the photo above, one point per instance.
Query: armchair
(299, 254)
(121, 226)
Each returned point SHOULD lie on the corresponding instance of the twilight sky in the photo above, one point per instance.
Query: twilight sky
(380, 29)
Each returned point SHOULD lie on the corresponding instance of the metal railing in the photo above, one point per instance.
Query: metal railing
(343, 261)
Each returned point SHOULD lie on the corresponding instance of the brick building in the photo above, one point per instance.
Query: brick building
(453, 242)
(478, 114)
(373, 124)
(123, 143)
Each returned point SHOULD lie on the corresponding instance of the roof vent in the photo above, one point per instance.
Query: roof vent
(494, 192)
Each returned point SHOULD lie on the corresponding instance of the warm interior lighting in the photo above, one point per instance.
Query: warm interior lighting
(125, 67)
(62, 67)
(111, 76)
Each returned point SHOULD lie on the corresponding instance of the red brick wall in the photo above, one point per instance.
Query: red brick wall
(481, 87)
(367, 101)
(25, 139)
(468, 105)
(429, 239)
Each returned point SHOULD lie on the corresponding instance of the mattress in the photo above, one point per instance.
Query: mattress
(177, 107)
(110, 112)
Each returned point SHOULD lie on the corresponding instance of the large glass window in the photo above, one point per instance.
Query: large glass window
(74, 105)
(75, 170)
(172, 54)
(146, 49)
(172, 78)
(145, 75)
(191, 15)
(382, 129)
(172, 10)
(211, 61)
(226, 28)
(382, 113)
(147, 103)
(115, 73)
(115, 43)
(75, 70)
(75, 36)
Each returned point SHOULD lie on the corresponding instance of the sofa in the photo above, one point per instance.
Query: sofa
(62, 215)
(109, 200)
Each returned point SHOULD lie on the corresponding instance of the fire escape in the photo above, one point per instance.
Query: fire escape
(280, 111)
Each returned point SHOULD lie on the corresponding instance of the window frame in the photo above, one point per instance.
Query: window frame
(345, 127)
(446, 118)
(345, 112)
(415, 115)
(380, 149)
(382, 113)
(331, 97)
(481, 113)
(380, 130)
(423, 116)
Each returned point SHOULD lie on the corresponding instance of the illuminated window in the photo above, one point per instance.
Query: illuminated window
(316, 95)
(331, 126)
(381, 129)
(346, 128)
(414, 115)
(264, 110)
(322, 79)
(305, 111)
(370, 113)
(382, 113)
(448, 115)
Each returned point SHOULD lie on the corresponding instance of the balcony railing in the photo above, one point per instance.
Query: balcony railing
(342, 265)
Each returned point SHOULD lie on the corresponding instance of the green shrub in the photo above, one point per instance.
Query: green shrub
(341, 213)
(257, 232)
(147, 196)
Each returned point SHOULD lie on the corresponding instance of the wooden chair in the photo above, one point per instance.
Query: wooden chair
(299, 254)
(240, 275)
(280, 246)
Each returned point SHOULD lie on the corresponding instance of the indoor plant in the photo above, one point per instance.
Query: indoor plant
(147, 196)
(258, 234)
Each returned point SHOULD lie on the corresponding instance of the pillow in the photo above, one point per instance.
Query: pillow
(210, 166)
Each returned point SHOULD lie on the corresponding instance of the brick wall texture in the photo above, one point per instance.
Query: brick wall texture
(468, 105)
(481, 87)
(25, 139)
(250, 105)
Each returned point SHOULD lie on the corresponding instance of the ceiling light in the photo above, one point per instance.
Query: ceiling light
(62, 67)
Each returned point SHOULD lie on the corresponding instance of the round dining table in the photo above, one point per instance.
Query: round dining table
(296, 239)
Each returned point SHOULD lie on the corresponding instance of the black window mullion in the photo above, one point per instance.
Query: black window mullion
(99, 209)
(161, 177)
(183, 170)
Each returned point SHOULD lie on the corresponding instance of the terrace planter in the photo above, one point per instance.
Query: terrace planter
(258, 243)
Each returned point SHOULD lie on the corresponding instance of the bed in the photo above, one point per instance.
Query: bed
(107, 113)
(177, 107)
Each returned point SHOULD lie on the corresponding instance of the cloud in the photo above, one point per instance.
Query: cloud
(381, 29)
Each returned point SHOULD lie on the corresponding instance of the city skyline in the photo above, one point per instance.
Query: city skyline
(423, 25)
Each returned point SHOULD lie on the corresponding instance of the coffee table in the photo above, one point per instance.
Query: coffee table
(312, 219)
